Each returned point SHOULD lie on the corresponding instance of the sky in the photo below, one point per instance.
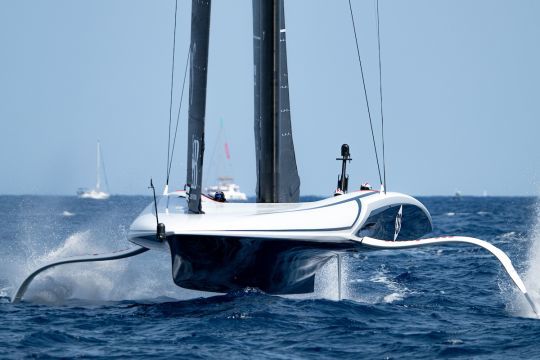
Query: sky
(461, 90)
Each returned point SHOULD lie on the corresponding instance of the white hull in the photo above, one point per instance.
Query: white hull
(337, 217)
(95, 195)
(276, 247)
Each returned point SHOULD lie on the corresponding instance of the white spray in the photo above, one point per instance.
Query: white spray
(530, 277)
(145, 277)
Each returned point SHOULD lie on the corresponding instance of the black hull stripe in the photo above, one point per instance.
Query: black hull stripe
(321, 206)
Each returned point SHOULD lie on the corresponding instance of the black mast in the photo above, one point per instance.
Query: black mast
(200, 33)
(277, 175)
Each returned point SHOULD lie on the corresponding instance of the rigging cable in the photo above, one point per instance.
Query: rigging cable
(381, 97)
(104, 171)
(365, 92)
(219, 136)
(178, 115)
(172, 88)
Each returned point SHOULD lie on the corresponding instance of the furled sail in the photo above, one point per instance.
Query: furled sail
(200, 33)
(277, 175)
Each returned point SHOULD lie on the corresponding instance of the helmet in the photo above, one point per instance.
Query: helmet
(219, 196)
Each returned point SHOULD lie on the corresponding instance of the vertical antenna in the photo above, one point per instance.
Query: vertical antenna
(343, 180)
(160, 227)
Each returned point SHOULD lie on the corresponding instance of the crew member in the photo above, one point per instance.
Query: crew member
(366, 186)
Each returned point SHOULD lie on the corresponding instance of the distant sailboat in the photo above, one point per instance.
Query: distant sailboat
(96, 193)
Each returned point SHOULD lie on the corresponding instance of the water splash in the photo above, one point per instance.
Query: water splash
(519, 305)
(375, 287)
(326, 280)
(145, 277)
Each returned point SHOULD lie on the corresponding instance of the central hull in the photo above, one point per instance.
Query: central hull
(277, 248)
(275, 266)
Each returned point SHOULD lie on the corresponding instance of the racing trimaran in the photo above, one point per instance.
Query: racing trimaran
(278, 243)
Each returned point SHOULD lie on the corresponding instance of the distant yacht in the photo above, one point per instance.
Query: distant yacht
(96, 193)
(228, 187)
(222, 166)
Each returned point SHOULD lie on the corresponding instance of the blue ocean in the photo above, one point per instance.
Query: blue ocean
(433, 302)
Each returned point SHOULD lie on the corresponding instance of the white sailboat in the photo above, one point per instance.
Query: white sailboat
(96, 193)
(278, 244)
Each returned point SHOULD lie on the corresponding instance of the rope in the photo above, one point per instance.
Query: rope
(178, 115)
(381, 96)
(172, 88)
(365, 92)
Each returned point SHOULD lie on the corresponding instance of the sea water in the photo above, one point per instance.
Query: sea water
(432, 302)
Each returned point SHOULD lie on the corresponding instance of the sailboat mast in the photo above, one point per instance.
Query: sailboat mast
(277, 174)
(97, 167)
(200, 34)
